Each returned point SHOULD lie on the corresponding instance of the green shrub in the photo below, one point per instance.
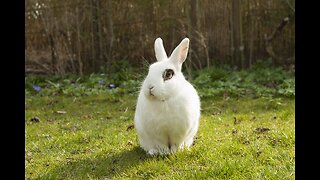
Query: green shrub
(261, 80)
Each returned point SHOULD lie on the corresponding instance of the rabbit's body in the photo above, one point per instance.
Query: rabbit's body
(165, 126)
(168, 110)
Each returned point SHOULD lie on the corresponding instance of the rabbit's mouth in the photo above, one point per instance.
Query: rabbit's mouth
(150, 93)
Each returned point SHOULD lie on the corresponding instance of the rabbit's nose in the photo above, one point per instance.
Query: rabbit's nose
(150, 87)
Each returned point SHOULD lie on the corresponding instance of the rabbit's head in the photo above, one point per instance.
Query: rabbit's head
(165, 79)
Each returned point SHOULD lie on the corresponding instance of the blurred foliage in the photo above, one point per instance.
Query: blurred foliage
(82, 37)
(262, 80)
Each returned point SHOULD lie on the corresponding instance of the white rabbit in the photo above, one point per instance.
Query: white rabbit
(168, 107)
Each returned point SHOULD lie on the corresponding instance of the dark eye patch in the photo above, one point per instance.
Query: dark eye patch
(167, 74)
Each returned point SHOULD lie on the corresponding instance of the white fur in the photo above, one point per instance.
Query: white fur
(167, 118)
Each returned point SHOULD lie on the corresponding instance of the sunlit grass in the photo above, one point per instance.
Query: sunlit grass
(241, 138)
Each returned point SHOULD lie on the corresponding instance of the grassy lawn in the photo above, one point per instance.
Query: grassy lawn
(91, 137)
(81, 127)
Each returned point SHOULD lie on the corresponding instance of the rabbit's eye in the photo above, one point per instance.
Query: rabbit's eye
(167, 74)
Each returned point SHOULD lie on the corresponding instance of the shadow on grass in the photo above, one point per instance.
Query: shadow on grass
(101, 167)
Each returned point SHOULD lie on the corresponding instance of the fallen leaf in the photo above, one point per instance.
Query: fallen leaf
(234, 131)
(216, 113)
(35, 119)
(87, 116)
(236, 121)
(130, 127)
(61, 112)
(27, 156)
(258, 153)
(51, 119)
(262, 129)
(123, 109)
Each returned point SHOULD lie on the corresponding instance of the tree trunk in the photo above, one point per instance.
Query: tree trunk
(236, 28)
(96, 36)
(110, 32)
(268, 40)
(80, 65)
(193, 30)
(53, 54)
(251, 37)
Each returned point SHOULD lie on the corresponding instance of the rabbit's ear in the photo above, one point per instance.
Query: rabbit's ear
(180, 53)
(159, 50)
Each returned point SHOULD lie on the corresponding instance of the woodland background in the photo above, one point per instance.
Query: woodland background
(85, 61)
(90, 36)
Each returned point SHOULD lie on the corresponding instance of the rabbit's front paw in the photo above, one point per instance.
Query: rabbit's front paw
(152, 152)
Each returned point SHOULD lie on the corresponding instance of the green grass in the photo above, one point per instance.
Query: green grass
(93, 140)
(247, 127)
